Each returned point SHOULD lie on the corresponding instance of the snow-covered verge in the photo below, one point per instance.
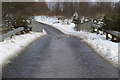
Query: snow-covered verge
(105, 48)
(11, 48)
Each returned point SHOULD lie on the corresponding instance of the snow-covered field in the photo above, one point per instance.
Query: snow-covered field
(105, 48)
(11, 48)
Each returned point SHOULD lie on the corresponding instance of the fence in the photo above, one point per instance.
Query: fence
(115, 34)
(11, 33)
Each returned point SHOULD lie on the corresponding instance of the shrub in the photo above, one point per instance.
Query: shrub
(20, 21)
(76, 21)
(111, 23)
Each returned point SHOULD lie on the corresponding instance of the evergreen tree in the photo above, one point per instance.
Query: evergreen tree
(112, 23)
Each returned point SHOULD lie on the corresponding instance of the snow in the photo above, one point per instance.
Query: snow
(11, 48)
(105, 48)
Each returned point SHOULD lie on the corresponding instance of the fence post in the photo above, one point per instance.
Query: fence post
(106, 35)
(98, 31)
(92, 29)
(112, 38)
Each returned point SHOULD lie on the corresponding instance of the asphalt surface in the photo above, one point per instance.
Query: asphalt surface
(57, 55)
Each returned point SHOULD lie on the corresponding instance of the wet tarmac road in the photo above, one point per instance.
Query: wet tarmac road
(57, 55)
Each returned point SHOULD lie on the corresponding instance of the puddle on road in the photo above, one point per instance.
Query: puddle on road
(60, 37)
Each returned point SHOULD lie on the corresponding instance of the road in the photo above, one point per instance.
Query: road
(57, 55)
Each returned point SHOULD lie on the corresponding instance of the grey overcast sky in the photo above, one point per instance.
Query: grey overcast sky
(60, 0)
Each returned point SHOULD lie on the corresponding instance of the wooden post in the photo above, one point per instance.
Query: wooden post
(118, 39)
(112, 38)
(97, 31)
(106, 35)
(92, 29)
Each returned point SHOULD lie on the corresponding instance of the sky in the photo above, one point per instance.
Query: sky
(61, 0)
(82, 0)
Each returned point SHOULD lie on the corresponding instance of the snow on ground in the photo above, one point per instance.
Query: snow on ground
(10, 48)
(105, 48)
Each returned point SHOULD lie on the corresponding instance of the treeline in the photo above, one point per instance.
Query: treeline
(90, 9)
(14, 13)
(18, 14)
(24, 8)
(112, 22)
